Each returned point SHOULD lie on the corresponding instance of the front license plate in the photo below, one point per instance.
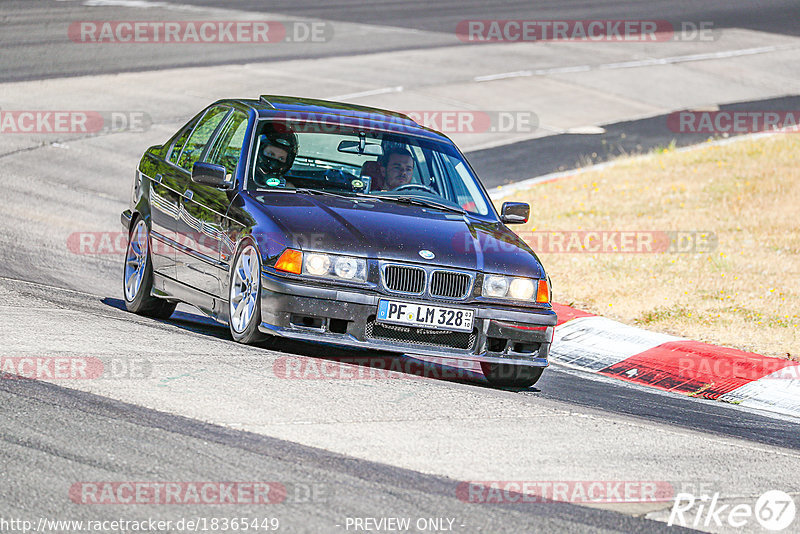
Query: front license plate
(425, 316)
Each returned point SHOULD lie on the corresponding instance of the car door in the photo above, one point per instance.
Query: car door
(188, 226)
(206, 207)
(165, 195)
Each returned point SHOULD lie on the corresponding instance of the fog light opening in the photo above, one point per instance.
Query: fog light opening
(496, 344)
(337, 326)
(307, 321)
(525, 348)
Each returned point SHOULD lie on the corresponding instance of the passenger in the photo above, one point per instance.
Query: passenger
(276, 153)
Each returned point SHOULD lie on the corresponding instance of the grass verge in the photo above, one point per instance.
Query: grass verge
(735, 211)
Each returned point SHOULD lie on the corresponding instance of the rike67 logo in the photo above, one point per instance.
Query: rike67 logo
(774, 510)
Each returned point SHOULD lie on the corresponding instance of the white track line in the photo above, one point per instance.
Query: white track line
(140, 4)
(637, 63)
(372, 92)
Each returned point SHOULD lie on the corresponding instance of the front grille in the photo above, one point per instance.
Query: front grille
(420, 336)
(450, 284)
(405, 279)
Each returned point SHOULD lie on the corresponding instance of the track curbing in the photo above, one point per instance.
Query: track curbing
(600, 345)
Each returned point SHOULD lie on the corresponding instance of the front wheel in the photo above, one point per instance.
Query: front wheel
(138, 276)
(504, 375)
(244, 297)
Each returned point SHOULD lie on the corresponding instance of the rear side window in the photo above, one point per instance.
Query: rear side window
(200, 136)
(228, 146)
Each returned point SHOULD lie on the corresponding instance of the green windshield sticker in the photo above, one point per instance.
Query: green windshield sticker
(357, 184)
(272, 182)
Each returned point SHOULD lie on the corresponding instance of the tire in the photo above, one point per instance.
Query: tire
(244, 296)
(137, 276)
(503, 375)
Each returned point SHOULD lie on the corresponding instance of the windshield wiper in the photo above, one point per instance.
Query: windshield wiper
(354, 194)
(423, 202)
(395, 198)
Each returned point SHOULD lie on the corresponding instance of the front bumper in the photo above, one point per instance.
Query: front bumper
(346, 318)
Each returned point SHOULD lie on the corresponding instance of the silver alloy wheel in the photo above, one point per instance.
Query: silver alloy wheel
(244, 289)
(136, 260)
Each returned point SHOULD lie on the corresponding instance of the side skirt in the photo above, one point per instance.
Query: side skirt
(171, 289)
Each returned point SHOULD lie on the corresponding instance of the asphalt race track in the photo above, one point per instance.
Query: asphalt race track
(183, 403)
(33, 50)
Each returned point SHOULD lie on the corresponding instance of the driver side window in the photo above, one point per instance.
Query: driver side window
(228, 146)
(197, 142)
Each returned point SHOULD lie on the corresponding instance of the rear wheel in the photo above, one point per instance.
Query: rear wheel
(244, 297)
(503, 375)
(138, 276)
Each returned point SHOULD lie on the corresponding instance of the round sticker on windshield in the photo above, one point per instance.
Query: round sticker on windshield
(272, 182)
(357, 184)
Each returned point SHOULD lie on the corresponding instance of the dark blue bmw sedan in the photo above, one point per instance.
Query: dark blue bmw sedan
(335, 223)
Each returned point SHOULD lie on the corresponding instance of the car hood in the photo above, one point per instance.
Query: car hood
(395, 231)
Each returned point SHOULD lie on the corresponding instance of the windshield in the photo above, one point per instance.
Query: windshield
(320, 158)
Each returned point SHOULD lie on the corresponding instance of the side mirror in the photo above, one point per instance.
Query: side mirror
(515, 212)
(210, 174)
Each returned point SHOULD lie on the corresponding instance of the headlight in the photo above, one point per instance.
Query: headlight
(507, 287)
(495, 286)
(333, 266)
(317, 264)
(521, 289)
(346, 268)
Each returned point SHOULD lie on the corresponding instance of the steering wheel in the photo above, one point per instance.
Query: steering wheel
(416, 186)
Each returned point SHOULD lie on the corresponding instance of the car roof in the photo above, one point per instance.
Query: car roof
(297, 108)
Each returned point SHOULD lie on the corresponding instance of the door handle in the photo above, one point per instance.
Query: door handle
(158, 178)
(188, 194)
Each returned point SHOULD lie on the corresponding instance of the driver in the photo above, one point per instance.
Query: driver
(397, 166)
(276, 153)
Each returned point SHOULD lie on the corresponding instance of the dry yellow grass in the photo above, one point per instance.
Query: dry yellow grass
(743, 294)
